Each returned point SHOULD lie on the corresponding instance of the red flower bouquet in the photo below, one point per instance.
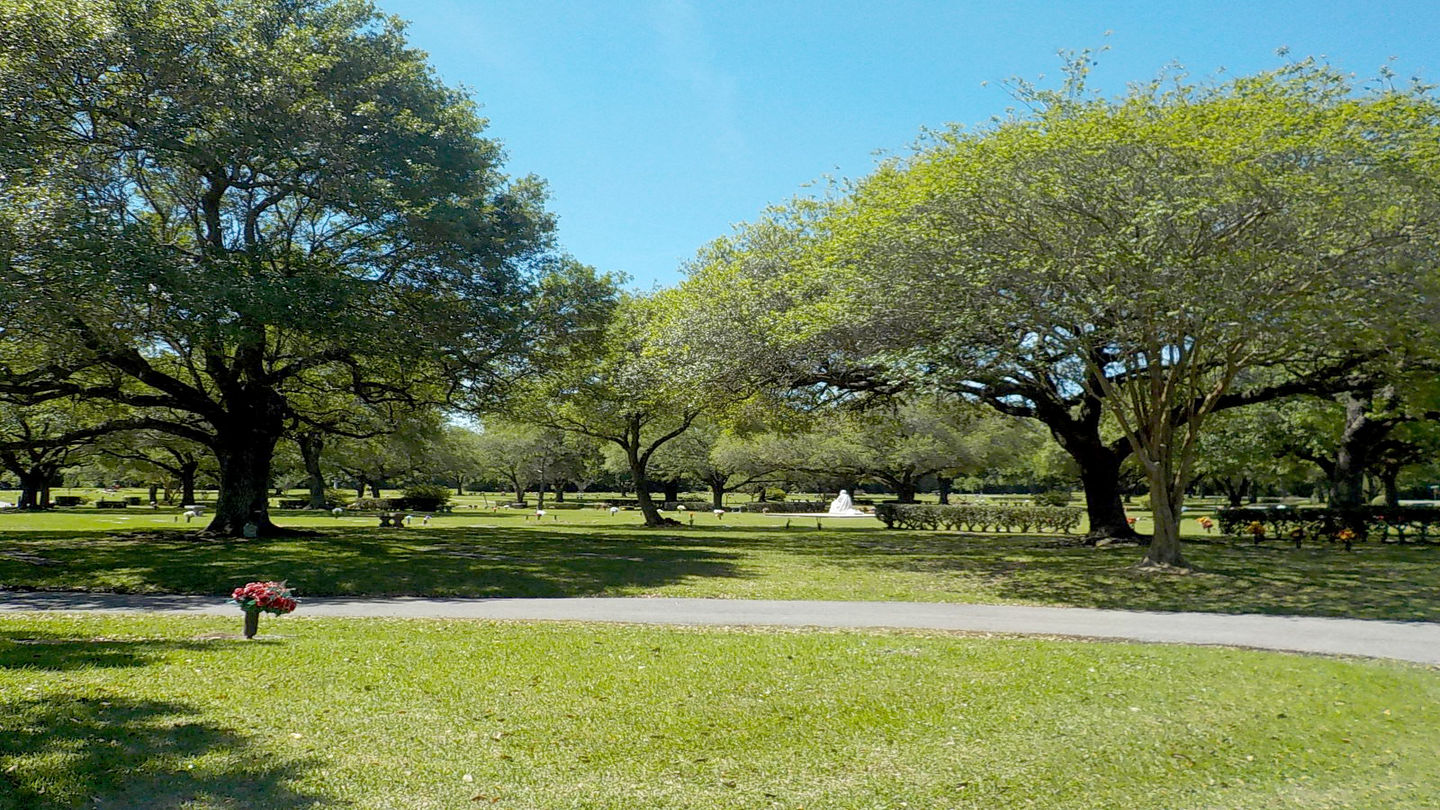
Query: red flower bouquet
(255, 597)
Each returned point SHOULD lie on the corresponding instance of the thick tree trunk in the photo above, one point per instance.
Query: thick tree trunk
(244, 456)
(1100, 478)
(519, 490)
(671, 490)
(187, 482)
(905, 491)
(34, 489)
(1164, 549)
(642, 488)
(1390, 485)
(945, 484)
(154, 493)
(717, 494)
(312, 444)
(559, 491)
(375, 489)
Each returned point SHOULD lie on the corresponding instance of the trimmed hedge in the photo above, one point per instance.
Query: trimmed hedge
(783, 507)
(1297, 524)
(978, 517)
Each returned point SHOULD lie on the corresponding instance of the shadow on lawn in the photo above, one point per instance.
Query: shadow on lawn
(452, 561)
(69, 750)
(1373, 582)
(26, 649)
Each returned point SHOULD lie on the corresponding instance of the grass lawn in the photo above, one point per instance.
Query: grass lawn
(126, 712)
(590, 553)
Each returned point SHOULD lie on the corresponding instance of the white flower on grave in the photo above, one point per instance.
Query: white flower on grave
(614, 510)
(719, 511)
(539, 513)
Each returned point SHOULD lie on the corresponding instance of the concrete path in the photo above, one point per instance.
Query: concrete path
(1406, 641)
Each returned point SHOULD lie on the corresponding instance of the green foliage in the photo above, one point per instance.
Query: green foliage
(978, 517)
(1052, 497)
(338, 497)
(775, 494)
(426, 497)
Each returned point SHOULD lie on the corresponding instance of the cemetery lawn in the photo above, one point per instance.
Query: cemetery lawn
(742, 557)
(142, 711)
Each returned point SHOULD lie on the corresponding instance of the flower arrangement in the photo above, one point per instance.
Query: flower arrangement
(257, 597)
(1205, 523)
(1130, 520)
(1256, 529)
(1345, 535)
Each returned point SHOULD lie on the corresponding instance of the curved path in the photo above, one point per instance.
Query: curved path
(1405, 641)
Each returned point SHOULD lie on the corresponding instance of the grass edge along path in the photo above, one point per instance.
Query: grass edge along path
(127, 711)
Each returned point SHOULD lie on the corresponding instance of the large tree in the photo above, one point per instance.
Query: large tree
(209, 205)
(1117, 269)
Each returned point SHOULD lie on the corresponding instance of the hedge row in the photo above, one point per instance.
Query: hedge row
(396, 505)
(1320, 523)
(783, 507)
(978, 517)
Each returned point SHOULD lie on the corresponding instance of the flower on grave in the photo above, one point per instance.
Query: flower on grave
(1256, 528)
(1205, 523)
(1345, 534)
(1297, 534)
(1130, 520)
(270, 597)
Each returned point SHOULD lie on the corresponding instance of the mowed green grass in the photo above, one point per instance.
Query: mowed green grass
(126, 712)
(505, 553)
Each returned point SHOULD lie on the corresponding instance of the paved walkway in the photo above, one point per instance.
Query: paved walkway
(1406, 641)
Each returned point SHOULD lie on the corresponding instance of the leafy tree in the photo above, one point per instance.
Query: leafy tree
(211, 206)
(632, 393)
(1128, 264)
(163, 459)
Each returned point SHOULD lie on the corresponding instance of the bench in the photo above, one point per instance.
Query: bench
(110, 504)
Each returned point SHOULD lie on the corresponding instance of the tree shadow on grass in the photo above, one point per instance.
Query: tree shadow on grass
(71, 750)
(27, 649)
(453, 561)
(1374, 582)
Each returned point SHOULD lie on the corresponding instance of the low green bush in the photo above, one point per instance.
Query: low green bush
(1052, 497)
(978, 517)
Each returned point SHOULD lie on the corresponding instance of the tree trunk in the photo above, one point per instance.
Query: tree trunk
(519, 489)
(375, 489)
(1389, 482)
(244, 454)
(642, 488)
(1164, 549)
(1100, 478)
(187, 482)
(672, 490)
(34, 489)
(717, 494)
(360, 490)
(459, 485)
(312, 444)
(905, 491)
(945, 484)
(154, 493)
(559, 491)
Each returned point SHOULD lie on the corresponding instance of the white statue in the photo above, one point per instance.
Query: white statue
(842, 505)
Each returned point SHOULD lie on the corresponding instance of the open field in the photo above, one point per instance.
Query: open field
(136, 711)
(590, 553)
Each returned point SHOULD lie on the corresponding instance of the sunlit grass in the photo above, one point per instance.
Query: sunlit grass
(150, 712)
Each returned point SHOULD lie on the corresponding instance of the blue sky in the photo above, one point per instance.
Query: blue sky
(659, 124)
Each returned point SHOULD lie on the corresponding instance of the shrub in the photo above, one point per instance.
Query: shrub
(775, 494)
(425, 497)
(1052, 497)
(978, 517)
(1323, 523)
(337, 497)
